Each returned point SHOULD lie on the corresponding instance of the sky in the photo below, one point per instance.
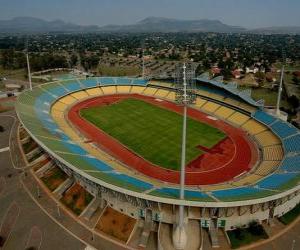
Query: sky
(246, 13)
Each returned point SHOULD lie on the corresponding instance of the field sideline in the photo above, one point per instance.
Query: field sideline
(152, 132)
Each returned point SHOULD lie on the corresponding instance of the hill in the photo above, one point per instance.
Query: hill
(149, 24)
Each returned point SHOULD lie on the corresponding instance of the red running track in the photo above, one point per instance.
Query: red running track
(235, 155)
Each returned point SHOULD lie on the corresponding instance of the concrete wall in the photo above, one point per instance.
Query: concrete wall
(287, 206)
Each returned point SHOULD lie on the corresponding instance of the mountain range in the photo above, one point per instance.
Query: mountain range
(150, 24)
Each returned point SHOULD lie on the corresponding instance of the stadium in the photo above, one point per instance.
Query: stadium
(120, 139)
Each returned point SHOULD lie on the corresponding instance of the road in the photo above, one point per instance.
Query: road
(53, 236)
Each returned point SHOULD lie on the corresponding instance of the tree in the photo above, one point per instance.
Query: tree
(260, 77)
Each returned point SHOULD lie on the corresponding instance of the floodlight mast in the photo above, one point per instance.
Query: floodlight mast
(279, 92)
(143, 62)
(281, 83)
(183, 149)
(28, 66)
(184, 96)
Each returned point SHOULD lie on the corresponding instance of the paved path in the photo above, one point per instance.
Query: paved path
(58, 229)
(54, 237)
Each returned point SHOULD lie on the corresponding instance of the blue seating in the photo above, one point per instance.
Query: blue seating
(274, 181)
(58, 91)
(292, 144)
(174, 192)
(123, 81)
(90, 83)
(291, 164)
(264, 117)
(284, 129)
(97, 163)
(132, 181)
(106, 81)
(72, 86)
(234, 192)
(139, 82)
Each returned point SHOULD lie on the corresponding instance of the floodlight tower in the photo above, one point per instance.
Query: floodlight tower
(143, 64)
(279, 92)
(280, 85)
(185, 95)
(28, 65)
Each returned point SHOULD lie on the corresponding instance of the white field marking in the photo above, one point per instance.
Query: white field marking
(159, 100)
(4, 149)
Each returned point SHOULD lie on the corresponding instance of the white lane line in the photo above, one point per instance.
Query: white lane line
(4, 149)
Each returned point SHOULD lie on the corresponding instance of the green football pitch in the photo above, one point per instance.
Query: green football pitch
(152, 132)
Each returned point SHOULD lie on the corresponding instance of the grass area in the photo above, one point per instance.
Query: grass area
(152, 132)
(118, 70)
(244, 236)
(116, 224)
(290, 67)
(77, 198)
(269, 96)
(291, 215)
(19, 74)
(54, 177)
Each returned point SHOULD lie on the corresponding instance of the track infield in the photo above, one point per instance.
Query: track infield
(152, 132)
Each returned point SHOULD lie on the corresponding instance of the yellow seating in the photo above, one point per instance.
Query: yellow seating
(232, 102)
(238, 118)
(109, 90)
(267, 167)
(162, 93)
(59, 106)
(200, 102)
(248, 180)
(80, 95)
(68, 100)
(149, 91)
(267, 138)
(123, 89)
(215, 187)
(57, 114)
(273, 153)
(210, 107)
(224, 112)
(137, 89)
(216, 97)
(247, 107)
(94, 91)
(254, 127)
(171, 96)
(202, 92)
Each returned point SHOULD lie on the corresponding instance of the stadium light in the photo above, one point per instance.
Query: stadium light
(28, 66)
(185, 95)
(280, 85)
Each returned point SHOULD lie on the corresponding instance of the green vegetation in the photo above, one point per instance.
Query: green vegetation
(270, 96)
(244, 236)
(118, 70)
(152, 132)
(291, 215)
(53, 178)
(29, 146)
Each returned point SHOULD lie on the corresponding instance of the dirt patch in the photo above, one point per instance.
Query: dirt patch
(76, 198)
(54, 177)
(116, 224)
(40, 164)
